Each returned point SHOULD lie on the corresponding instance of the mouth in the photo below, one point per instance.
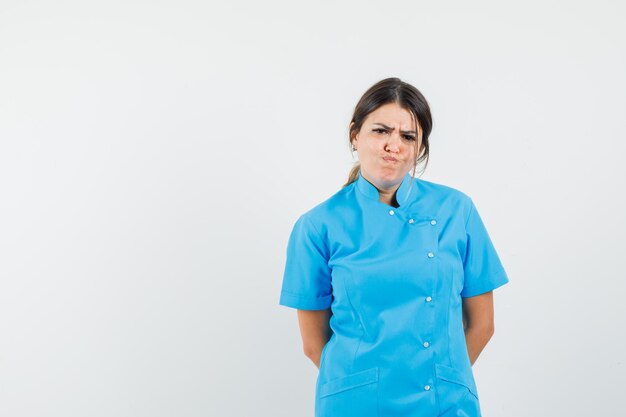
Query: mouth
(390, 159)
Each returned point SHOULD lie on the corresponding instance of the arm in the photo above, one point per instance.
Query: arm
(315, 331)
(478, 323)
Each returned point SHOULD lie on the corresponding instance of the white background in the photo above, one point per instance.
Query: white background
(154, 156)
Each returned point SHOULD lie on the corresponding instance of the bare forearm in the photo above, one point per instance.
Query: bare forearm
(316, 357)
(476, 339)
(315, 330)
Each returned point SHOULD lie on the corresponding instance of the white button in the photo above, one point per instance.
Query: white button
(411, 221)
(391, 212)
(430, 254)
(433, 222)
(428, 299)
(426, 387)
(426, 344)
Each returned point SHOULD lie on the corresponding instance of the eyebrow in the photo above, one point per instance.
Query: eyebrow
(390, 128)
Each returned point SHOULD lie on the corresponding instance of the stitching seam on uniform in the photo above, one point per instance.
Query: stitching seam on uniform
(501, 272)
(345, 288)
(470, 213)
(450, 273)
(319, 235)
(304, 296)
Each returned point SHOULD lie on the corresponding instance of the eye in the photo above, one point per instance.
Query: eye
(379, 130)
(409, 137)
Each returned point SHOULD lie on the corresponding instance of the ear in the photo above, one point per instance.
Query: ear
(353, 137)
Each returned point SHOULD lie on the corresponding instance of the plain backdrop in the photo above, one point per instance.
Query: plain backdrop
(154, 156)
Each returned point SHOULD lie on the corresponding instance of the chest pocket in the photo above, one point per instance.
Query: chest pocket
(355, 394)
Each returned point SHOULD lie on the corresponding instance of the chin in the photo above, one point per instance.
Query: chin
(390, 172)
(389, 177)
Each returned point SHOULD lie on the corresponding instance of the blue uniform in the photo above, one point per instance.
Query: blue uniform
(394, 279)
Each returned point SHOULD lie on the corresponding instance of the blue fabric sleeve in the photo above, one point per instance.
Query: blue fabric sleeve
(482, 266)
(307, 277)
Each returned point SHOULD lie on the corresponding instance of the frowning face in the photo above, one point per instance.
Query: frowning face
(387, 144)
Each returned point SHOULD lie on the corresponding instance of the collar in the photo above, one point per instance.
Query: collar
(369, 190)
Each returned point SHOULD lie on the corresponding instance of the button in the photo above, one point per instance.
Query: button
(426, 387)
(428, 299)
(430, 254)
(433, 222)
(391, 212)
(426, 344)
(411, 221)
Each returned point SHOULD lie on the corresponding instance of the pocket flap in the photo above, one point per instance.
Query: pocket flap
(350, 381)
(421, 220)
(458, 377)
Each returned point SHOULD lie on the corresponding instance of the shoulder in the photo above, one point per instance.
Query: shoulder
(446, 196)
(331, 208)
(442, 189)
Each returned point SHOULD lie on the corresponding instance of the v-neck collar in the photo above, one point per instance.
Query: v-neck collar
(370, 191)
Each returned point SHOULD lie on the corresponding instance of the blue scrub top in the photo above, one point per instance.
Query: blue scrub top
(394, 279)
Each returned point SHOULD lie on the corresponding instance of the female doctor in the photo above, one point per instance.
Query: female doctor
(393, 276)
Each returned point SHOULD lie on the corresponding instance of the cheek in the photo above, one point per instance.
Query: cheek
(409, 150)
(411, 154)
(373, 147)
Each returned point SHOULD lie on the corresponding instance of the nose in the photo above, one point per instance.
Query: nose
(393, 142)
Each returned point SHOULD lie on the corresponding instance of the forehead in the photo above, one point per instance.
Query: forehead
(392, 114)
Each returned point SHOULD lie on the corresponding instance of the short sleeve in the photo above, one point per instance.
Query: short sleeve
(482, 267)
(307, 277)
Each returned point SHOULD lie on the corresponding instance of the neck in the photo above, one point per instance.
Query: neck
(389, 198)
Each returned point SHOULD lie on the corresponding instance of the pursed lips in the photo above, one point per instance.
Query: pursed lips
(390, 159)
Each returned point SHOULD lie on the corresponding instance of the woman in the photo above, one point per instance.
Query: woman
(393, 275)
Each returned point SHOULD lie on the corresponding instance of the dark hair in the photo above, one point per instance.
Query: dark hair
(393, 90)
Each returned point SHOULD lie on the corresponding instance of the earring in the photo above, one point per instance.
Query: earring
(353, 148)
